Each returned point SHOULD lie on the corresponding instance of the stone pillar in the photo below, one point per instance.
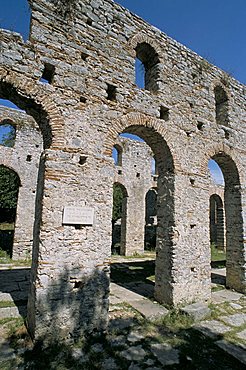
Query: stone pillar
(235, 208)
(70, 270)
(183, 253)
(135, 223)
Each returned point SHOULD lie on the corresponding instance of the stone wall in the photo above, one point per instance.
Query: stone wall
(87, 52)
(23, 158)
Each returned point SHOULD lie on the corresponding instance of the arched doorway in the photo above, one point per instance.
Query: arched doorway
(165, 205)
(150, 219)
(217, 233)
(119, 216)
(9, 188)
(235, 265)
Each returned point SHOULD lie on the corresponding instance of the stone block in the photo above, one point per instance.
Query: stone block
(197, 311)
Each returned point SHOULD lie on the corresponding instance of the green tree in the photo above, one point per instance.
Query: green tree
(117, 202)
(9, 187)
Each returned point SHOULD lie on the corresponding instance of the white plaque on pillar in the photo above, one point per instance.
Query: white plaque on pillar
(73, 215)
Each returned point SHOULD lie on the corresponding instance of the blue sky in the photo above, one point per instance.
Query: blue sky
(215, 29)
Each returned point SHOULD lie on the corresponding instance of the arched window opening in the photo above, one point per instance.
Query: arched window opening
(117, 155)
(150, 220)
(119, 215)
(147, 69)
(221, 106)
(215, 172)
(7, 133)
(139, 74)
(9, 188)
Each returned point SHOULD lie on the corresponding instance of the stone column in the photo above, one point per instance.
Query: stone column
(183, 253)
(235, 208)
(70, 270)
(135, 223)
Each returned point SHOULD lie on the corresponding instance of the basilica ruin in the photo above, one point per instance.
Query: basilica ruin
(75, 78)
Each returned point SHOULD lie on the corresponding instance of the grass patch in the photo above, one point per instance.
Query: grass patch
(217, 288)
(175, 320)
(6, 320)
(217, 254)
(4, 304)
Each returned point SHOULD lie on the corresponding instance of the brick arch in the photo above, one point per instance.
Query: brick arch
(140, 38)
(140, 120)
(225, 150)
(24, 91)
(218, 82)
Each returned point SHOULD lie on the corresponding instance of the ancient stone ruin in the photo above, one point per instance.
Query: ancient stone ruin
(75, 77)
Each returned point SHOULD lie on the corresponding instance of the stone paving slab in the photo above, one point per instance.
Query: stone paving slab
(165, 354)
(7, 312)
(212, 328)
(197, 311)
(225, 295)
(239, 352)
(237, 319)
(136, 353)
(124, 294)
(149, 310)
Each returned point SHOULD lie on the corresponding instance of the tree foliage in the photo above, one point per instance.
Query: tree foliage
(9, 187)
(117, 202)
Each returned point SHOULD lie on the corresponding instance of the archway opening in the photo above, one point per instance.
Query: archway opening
(217, 233)
(9, 188)
(145, 274)
(119, 215)
(117, 155)
(7, 133)
(150, 220)
(235, 258)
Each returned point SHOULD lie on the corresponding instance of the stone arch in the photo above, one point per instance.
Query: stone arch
(235, 253)
(31, 97)
(139, 121)
(157, 138)
(229, 152)
(140, 38)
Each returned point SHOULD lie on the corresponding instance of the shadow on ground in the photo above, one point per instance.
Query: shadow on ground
(135, 276)
(128, 340)
(14, 283)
